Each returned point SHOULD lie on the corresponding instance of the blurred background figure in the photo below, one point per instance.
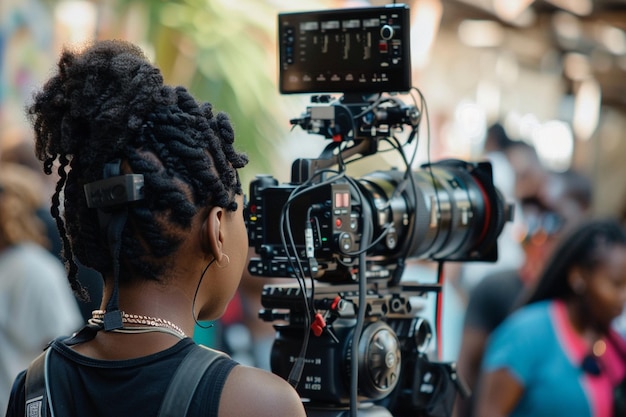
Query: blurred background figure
(557, 355)
(36, 303)
(562, 202)
(530, 173)
(22, 152)
(461, 278)
(520, 176)
(505, 174)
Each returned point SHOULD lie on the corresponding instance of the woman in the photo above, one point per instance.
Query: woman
(36, 304)
(171, 247)
(557, 355)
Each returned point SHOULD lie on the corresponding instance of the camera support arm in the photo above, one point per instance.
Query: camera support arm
(303, 169)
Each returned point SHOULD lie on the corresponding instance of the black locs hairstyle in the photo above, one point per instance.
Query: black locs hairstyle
(108, 102)
(585, 247)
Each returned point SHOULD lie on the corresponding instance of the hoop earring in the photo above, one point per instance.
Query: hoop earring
(223, 264)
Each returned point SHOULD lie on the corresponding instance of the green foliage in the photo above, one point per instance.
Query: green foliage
(225, 53)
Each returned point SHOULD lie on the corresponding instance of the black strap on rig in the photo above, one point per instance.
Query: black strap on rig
(111, 196)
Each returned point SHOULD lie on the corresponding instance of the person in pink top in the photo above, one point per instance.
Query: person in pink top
(557, 355)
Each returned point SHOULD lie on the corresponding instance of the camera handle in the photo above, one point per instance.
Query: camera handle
(303, 169)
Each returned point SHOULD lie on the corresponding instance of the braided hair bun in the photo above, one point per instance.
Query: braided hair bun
(109, 102)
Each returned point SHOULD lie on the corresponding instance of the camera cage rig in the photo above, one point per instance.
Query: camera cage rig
(354, 235)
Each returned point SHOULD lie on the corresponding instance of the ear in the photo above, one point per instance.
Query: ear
(212, 240)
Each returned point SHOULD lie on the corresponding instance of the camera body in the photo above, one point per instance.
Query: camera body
(357, 336)
(393, 336)
(451, 212)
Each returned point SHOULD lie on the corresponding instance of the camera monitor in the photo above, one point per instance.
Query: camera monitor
(365, 50)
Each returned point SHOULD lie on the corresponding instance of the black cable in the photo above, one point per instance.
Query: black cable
(296, 371)
(113, 315)
(195, 295)
(360, 321)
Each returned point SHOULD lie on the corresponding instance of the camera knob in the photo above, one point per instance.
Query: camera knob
(386, 32)
(423, 334)
(344, 241)
(379, 360)
(391, 240)
(266, 251)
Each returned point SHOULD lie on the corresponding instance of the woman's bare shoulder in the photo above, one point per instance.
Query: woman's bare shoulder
(255, 392)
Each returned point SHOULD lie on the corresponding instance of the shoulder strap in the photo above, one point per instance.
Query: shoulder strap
(185, 381)
(36, 386)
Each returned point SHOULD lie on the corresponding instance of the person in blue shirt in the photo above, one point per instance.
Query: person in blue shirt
(557, 355)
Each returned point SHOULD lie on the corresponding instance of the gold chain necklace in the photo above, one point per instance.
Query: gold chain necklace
(97, 317)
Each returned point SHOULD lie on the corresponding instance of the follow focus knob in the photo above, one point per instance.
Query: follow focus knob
(386, 32)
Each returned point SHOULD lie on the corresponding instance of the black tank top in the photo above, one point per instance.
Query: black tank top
(81, 386)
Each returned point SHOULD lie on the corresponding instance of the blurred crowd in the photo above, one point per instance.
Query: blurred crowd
(37, 304)
(552, 208)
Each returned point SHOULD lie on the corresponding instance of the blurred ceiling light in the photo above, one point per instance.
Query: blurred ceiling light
(470, 125)
(426, 16)
(515, 12)
(481, 33)
(587, 107)
(512, 124)
(470, 117)
(489, 97)
(566, 26)
(527, 125)
(576, 66)
(78, 20)
(579, 7)
(511, 10)
(613, 39)
(554, 143)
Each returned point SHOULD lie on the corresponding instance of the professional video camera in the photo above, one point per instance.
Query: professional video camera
(352, 338)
